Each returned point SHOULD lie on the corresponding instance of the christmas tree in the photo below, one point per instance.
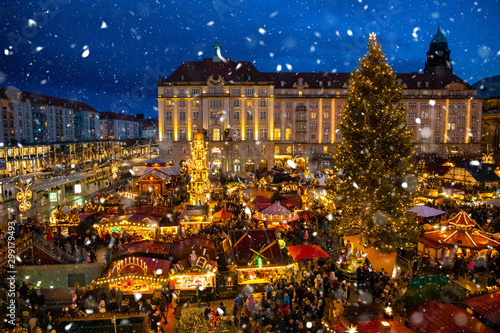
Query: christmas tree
(375, 161)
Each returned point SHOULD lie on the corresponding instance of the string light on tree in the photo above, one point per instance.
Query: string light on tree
(375, 163)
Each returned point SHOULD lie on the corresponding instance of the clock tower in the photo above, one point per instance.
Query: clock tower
(199, 188)
(438, 56)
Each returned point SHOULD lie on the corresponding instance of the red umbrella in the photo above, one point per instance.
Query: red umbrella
(307, 215)
(306, 252)
(223, 214)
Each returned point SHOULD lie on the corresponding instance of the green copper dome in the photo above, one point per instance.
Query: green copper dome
(439, 37)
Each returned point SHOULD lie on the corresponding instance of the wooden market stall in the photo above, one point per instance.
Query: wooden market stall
(257, 258)
(195, 265)
(456, 237)
(136, 274)
(142, 226)
(64, 221)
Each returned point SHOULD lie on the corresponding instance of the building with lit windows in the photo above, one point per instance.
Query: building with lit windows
(28, 118)
(118, 126)
(255, 120)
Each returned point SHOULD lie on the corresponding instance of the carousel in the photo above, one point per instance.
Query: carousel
(456, 237)
(136, 275)
(276, 215)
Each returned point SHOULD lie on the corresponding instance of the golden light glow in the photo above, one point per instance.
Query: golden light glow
(388, 310)
(24, 197)
(446, 121)
(320, 121)
(352, 329)
(467, 126)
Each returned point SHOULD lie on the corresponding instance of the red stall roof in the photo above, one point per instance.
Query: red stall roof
(487, 306)
(306, 251)
(435, 317)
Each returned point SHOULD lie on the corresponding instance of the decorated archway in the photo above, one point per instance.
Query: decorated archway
(250, 166)
(263, 165)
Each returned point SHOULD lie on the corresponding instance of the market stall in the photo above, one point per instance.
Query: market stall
(137, 225)
(256, 257)
(136, 275)
(64, 221)
(200, 273)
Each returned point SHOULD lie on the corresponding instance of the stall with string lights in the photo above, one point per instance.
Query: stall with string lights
(136, 275)
(257, 258)
(65, 221)
(143, 226)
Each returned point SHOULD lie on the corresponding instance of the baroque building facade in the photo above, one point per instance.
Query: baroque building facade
(256, 121)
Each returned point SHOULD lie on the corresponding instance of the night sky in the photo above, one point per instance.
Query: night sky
(109, 53)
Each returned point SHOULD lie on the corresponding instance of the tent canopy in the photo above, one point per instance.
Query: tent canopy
(223, 214)
(493, 202)
(425, 211)
(276, 209)
(306, 252)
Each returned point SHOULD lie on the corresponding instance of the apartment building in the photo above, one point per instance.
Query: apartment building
(28, 118)
(118, 126)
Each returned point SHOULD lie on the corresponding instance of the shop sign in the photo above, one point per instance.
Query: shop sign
(53, 196)
(78, 188)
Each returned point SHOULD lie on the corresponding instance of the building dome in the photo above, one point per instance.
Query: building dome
(439, 38)
(199, 136)
(438, 56)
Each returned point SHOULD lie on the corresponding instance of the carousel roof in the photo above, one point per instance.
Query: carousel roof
(461, 219)
(475, 239)
(276, 209)
(462, 231)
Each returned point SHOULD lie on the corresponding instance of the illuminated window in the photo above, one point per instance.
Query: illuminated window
(276, 150)
(313, 115)
(277, 134)
(288, 134)
(325, 149)
(288, 149)
(216, 134)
